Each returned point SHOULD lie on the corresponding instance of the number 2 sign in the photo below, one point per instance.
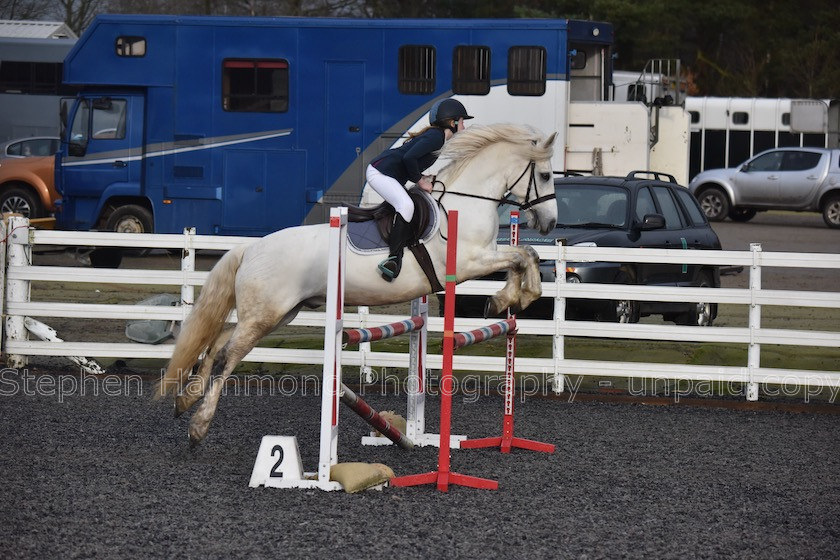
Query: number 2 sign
(278, 463)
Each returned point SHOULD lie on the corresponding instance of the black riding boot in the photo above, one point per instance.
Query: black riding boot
(399, 239)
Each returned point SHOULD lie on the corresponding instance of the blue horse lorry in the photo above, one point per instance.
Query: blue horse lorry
(243, 126)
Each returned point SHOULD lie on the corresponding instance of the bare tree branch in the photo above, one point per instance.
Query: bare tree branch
(25, 9)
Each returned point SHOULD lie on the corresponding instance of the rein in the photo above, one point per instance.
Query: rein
(532, 183)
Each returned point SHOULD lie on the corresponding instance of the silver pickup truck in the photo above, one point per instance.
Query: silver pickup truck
(799, 179)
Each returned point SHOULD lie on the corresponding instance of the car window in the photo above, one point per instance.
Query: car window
(768, 162)
(14, 149)
(33, 147)
(668, 207)
(800, 161)
(588, 204)
(644, 204)
(695, 213)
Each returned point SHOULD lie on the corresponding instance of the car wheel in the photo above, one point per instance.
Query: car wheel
(741, 214)
(626, 311)
(20, 200)
(130, 218)
(831, 211)
(701, 314)
(714, 203)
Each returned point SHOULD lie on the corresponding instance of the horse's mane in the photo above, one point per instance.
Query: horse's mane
(461, 148)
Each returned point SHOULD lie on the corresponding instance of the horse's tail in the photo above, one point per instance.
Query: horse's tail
(205, 323)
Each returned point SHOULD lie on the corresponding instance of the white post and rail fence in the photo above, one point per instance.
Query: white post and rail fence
(19, 309)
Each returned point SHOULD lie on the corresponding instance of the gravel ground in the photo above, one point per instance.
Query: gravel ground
(103, 472)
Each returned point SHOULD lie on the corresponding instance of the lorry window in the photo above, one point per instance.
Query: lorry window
(108, 120)
(255, 86)
(30, 77)
(526, 71)
(417, 70)
(79, 132)
(130, 46)
(471, 70)
(578, 59)
(740, 117)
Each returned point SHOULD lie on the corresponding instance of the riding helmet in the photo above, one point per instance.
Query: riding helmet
(446, 109)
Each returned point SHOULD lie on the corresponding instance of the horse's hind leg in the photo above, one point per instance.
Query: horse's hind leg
(244, 338)
(197, 384)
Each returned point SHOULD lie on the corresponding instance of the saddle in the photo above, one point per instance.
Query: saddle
(383, 215)
(370, 229)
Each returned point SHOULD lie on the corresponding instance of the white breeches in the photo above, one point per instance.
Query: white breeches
(392, 191)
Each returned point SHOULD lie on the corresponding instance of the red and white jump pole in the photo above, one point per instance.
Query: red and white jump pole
(507, 440)
(443, 476)
(416, 327)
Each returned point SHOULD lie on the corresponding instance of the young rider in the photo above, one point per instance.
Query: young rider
(390, 170)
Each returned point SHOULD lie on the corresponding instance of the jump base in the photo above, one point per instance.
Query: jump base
(444, 479)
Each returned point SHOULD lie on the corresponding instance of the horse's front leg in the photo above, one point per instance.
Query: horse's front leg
(521, 288)
(531, 279)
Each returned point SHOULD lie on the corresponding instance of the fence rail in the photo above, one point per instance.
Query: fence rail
(20, 273)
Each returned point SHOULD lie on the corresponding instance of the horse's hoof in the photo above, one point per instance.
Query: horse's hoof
(196, 436)
(491, 308)
(194, 442)
(178, 409)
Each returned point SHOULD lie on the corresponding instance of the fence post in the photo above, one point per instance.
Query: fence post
(20, 254)
(754, 350)
(416, 378)
(187, 267)
(558, 344)
(365, 371)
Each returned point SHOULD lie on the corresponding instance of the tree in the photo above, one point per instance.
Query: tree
(240, 7)
(25, 9)
(78, 14)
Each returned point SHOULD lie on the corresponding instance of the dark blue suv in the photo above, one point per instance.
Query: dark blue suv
(643, 209)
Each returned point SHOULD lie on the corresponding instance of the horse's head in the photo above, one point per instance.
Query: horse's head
(517, 164)
(534, 188)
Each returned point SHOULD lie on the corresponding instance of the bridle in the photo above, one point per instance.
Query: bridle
(532, 186)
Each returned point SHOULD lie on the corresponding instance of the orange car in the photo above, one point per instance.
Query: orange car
(27, 186)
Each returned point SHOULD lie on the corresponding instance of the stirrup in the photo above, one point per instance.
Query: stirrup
(388, 274)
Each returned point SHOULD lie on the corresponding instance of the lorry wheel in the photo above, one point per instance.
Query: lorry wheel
(20, 200)
(714, 203)
(831, 211)
(130, 218)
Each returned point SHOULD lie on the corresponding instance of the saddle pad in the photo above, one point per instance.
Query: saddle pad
(364, 237)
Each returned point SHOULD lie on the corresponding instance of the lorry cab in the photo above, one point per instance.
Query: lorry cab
(101, 156)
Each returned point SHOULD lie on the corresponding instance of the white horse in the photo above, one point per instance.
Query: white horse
(270, 280)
